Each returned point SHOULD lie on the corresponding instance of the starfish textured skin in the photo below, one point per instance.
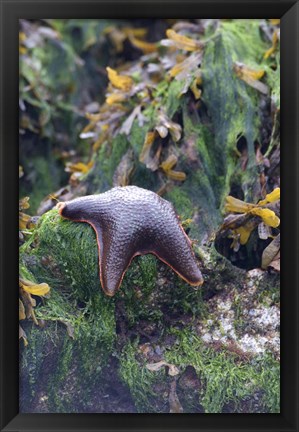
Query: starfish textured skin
(131, 221)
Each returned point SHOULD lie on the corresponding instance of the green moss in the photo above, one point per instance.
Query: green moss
(245, 37)
(181, 201)
(195, 200)
(225, 380)
(184, 299)
(141, 381)
(59, 402)
(137, 289)
(60, 365)
(145, 178)
(64, 363)
(65, 256)
(37, 360)
(268, 373)
(273, 79)
(110, 161)
(25, 273)
(203, 139)
(268, 290)
(77, 372)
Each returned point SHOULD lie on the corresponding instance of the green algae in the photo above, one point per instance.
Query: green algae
(137, 288)
(196, 198)
(141, 381)
(225, 380)
(173, 100)
(233, 104)
(100, 178)
(181, 201)
(64, 255)
(78, 301)
(273, 78)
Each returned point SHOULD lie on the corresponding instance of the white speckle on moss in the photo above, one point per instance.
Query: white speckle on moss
(251, 327)
(207, 337)
(267, 317)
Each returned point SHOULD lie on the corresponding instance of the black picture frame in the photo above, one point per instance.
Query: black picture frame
(11, 12)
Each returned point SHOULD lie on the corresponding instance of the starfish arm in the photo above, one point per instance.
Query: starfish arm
(175, 249)
(115, 254)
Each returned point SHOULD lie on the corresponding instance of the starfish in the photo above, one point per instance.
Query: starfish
(130, 221)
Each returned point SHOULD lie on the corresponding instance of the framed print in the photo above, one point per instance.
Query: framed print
(147, 175)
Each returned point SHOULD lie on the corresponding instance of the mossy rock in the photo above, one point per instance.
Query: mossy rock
(220, 381)
(77, 318)
(84, 333)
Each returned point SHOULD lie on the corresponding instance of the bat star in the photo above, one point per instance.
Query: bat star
(130, 221)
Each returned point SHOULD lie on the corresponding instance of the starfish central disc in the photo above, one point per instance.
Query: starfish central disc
(131, 221)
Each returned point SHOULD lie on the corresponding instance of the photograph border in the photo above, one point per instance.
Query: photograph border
(11, 12)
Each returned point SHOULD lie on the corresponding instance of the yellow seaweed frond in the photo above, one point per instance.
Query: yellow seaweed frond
(235, 205)
(149, 156)
(274, 21)
(22, 50)
(102, 138)
(22, 36)
(268, 216)
(22, 314)
(176, 69)
(23, 220)
(244, 233)
(183, 42)
(145, 47)
(271, 197)
(251, 77)
(24, 203)
(148, 142)
(169, 163)
(121, 82)
(271, 50)
(93, 117)
(138, 32)
(79, 167)
(245, 73)
(35, 289)
(115, 98)
(195, 90)
(167, 166)
(176, 175)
